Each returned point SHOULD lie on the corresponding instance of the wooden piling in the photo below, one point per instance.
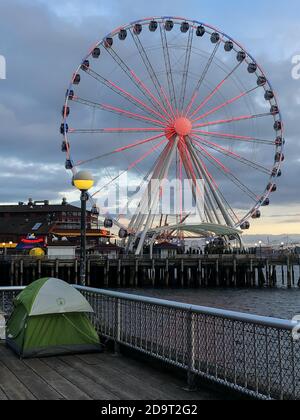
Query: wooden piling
(182, 273)
(119, 272)
(199, 273)
(217, 274)
(153, 273)
(12, 273)
(167, 274)
(289, 275)
(88, 273)
(76, 271)
(39, 268)
(235, 272)
(21, 272)
(136, 275)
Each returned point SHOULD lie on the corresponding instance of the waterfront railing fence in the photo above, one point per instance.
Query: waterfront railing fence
(254, 355)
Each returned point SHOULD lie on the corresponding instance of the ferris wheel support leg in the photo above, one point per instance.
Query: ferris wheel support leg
(190, 177)
(155, 180)
(208, 205)
(203, 175)
(139, 219)
(220, 203)
(164, 174)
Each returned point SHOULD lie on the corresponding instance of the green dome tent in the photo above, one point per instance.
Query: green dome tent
(50, 319)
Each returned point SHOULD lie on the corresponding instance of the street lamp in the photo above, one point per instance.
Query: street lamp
(83, 181)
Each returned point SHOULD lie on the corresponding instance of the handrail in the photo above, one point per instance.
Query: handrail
(222, 313)
(12, 288)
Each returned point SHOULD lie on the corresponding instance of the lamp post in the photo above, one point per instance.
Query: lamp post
(83, 181)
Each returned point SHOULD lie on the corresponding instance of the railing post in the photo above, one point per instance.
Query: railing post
(117, 327)
(190, 352)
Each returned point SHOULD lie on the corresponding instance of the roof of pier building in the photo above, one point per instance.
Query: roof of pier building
(38, 207)
(20, 226)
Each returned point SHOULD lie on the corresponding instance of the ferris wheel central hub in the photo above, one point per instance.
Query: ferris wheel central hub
(183, 126)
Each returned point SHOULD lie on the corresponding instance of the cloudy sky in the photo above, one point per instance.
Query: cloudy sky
(44, 40)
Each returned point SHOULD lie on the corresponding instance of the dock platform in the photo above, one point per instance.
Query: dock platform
(101, 376)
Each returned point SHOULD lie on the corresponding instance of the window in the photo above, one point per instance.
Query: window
(37, 226)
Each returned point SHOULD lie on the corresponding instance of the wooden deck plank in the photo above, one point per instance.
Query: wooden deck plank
(3, 396)
(173, 388)
(38, 387)
(104, 373)
(123, 367)
(68, 390)
(172, 385)
(14, 389)
(95, 390)
(99, 376)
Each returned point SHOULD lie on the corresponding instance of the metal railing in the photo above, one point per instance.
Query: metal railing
(250, 354)
(7, 296)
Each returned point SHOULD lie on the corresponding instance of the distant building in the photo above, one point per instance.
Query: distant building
(38, 223)
(108, 250)
(165, 250)
(61, 250)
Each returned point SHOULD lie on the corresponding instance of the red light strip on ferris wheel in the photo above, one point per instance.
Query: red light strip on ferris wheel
(229, 102)
(151, 94)
(139, 101)
(121, 149)
(235, 119)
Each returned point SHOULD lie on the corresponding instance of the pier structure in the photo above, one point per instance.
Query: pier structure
(182, 271)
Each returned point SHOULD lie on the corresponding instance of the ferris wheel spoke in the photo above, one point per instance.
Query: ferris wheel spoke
(225, 136)
(132, 165)
(148, 65)
(229, 102)
(168, 103)
(232, 120)
(186, 68)
(147, 90)
(216, 89)
(124, 94)
(202, 78)
(168, 66)
(233, 155)
(119, 150)
(113, 130)
(118, 111)
(226, 171)
(130, 74)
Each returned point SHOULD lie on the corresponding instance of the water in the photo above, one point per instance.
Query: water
(279, 303)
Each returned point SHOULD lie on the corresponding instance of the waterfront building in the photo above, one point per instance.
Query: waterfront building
(40, 223)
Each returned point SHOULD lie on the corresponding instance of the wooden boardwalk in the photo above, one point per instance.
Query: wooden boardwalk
(89, 377)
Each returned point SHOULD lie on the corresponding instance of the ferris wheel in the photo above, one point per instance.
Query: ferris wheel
(170, 97)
